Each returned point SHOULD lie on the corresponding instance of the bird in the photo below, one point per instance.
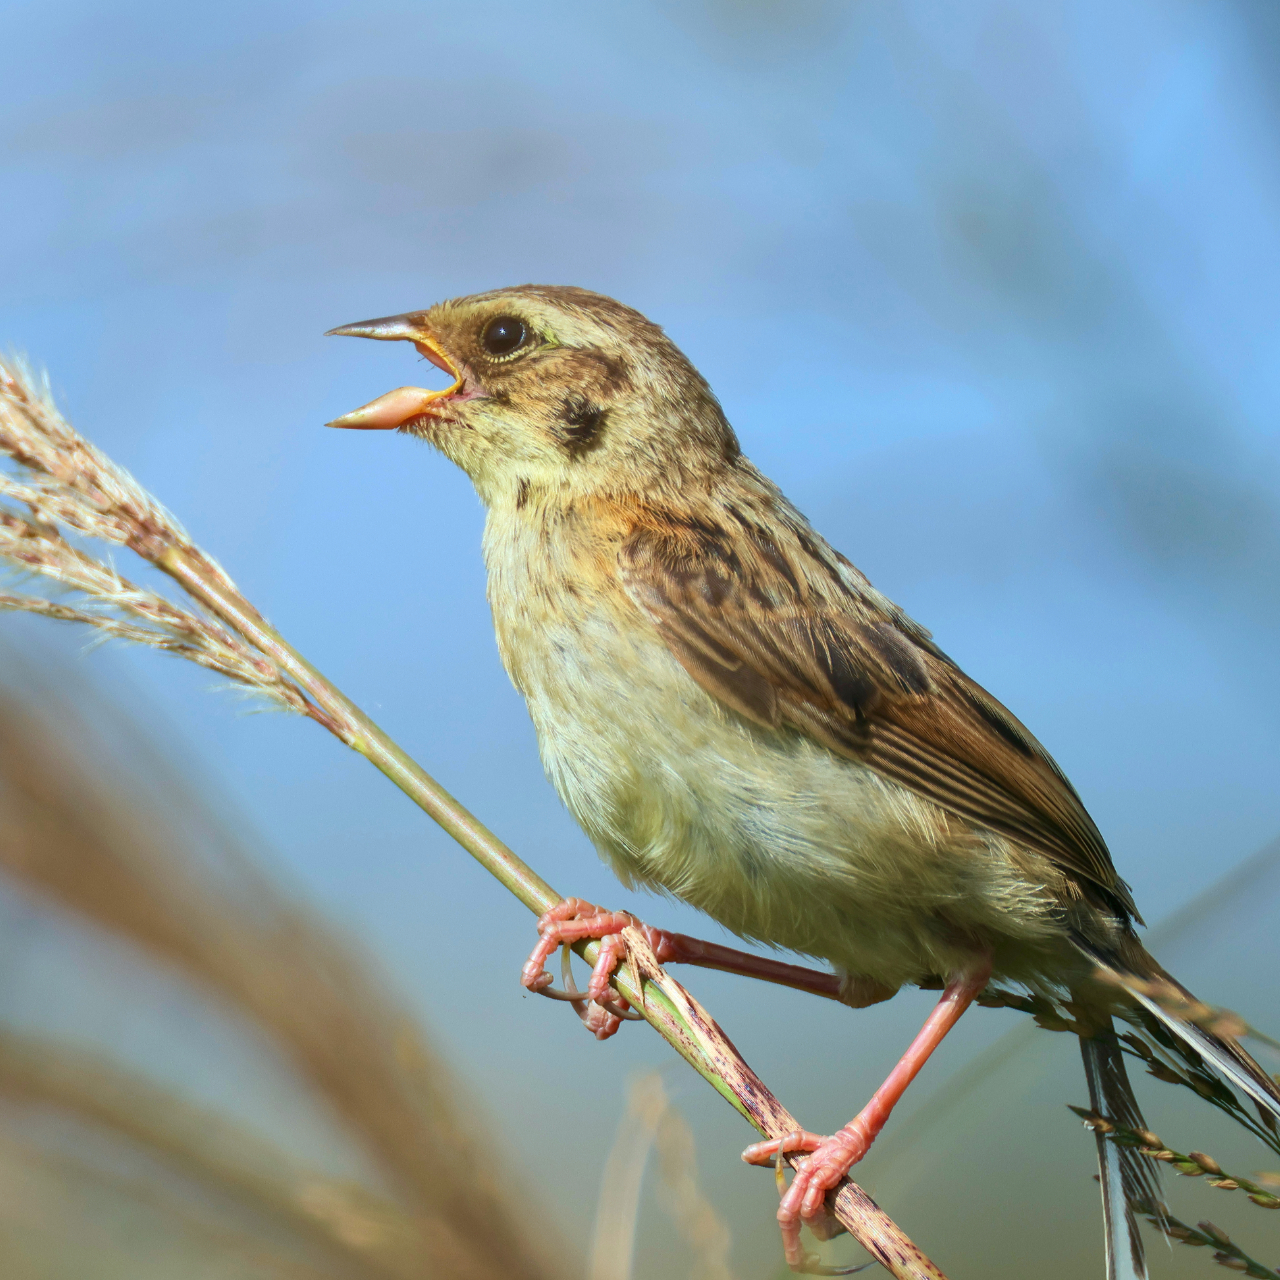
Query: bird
(736, 717)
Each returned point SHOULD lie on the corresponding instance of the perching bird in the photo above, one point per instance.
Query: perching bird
(737, 717)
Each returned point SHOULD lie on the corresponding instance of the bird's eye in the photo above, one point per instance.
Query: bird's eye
(503, 335)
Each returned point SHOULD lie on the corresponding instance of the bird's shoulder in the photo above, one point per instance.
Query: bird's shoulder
(784, 630)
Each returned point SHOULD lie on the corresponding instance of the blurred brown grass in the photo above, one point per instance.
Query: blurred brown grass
(652, 1121)
(96, 827)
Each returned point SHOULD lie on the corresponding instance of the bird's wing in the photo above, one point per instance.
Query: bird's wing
(780, 629)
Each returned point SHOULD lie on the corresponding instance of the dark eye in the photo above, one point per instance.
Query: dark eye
(503, 335)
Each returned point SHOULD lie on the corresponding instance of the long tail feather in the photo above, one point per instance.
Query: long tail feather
(1126, 1177)
(1232, 1062)
(1226, 1056)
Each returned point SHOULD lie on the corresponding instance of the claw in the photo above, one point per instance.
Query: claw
(615, 1012)
(810, 1265)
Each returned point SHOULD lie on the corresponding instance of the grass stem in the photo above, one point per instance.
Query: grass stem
(68, 484)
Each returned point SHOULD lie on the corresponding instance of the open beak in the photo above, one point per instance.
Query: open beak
(404, 403)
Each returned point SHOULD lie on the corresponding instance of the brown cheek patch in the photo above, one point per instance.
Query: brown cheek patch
(601, 376)
(597, 380)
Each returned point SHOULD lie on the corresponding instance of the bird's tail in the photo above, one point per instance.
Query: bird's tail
(1127, 1178)
(1194, 1043)
(1165, 1008)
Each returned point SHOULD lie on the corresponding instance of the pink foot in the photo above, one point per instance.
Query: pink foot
(599, 1007)
(823, 1171)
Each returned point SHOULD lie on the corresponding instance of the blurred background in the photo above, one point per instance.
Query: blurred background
(992, 289)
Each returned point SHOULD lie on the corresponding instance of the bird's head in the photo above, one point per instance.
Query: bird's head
(555, 390)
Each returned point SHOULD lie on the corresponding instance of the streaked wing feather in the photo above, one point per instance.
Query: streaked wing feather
(778, 633)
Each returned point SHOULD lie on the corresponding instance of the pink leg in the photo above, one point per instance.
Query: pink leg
(833, 1157)
(679, 948)
(573, 920)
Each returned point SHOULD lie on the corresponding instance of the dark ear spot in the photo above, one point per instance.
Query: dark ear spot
(582, 423)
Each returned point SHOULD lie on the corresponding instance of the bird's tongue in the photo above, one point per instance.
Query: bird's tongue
(389, 411)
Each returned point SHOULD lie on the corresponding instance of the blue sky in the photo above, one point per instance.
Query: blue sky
(990, 288)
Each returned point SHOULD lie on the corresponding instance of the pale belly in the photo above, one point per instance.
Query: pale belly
(768, 832)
